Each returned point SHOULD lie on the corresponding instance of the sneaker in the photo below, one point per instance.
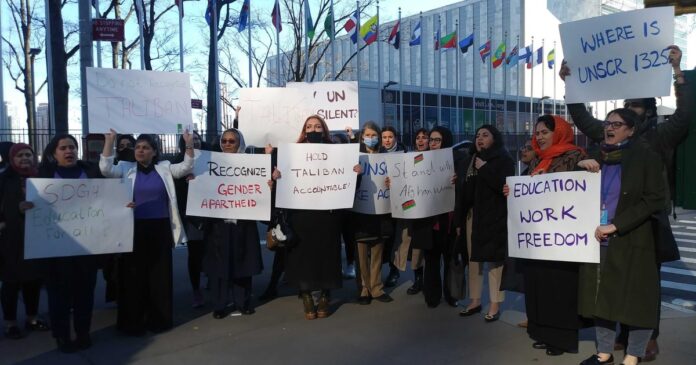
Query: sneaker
(349, 272)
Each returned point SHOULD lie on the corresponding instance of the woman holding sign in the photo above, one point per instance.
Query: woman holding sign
(551, 286)
(232, 251)
(486, 218)
(145, 298)
(624, 287)
(314, 263)
(16, 273)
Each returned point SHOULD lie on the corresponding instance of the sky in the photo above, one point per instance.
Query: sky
(196, 40)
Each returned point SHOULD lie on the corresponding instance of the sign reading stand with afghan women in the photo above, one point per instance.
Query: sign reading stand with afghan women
(372, 196)
(230, 186)
(421, 183)
(74, 217)
(316, 176)
(554, 216)
(619, 56)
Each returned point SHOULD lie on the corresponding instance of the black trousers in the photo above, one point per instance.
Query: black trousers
(240, 288)
(70, 285)
(145, 295)
(196, 251)
(9, 295)
(435, 283)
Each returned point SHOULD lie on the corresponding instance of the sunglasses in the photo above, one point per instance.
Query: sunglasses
(613, 125)
(226, 141)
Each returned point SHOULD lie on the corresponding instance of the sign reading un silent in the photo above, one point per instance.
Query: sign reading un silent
(554, 216)
(138, 101)
(619, 56)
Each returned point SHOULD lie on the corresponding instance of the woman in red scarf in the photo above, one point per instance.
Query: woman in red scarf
(551, 287)
(17, 275)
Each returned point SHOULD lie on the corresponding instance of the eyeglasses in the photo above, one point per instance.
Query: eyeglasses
(613, 125)
(226, 141)
(436, 140)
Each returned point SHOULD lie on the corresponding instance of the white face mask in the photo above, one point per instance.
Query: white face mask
(370, 142)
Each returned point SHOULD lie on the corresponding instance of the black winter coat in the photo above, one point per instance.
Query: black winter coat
(232, 250)
(484, 193)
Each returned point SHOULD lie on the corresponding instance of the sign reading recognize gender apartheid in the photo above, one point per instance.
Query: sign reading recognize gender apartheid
(554, 216)
(74, 217)
(316, 176)
(372, 196)
(131, 101)
(277, 114)
(421, 183)
(619, 56)
(230, 186)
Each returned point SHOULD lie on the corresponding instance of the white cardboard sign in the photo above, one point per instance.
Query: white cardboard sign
(131, 101)
(274, 115)
(554, 216)
(74, 217)
(372, 196)
(316, 176)
(619, 56)
(230, 186)
(421, 183)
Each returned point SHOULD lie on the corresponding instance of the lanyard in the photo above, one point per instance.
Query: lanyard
(605, 188)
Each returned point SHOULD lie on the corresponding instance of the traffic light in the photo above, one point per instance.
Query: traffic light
(681, 7)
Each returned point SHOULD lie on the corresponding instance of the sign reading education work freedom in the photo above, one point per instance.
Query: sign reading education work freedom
(138, 101)
(316, 176)
(554, 216)
(619, 56)
(421, 183)
(372, 196)
(277, 114)
(74, 217)
(230, 186)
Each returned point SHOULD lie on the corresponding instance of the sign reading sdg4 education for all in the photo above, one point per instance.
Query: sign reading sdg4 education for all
(619, 56)
(231, 186)
(316, 176)
(74, 217)
(554, 216)
(421, 183)
(131, 101)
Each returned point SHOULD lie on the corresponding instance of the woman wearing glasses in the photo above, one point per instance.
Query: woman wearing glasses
(624, 287)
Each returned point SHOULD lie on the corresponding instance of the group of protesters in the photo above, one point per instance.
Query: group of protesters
(634, 154)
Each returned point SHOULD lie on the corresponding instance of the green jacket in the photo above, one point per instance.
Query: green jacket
(625, 286)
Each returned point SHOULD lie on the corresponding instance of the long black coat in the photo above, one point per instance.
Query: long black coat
(14, 267)
(232, 250)
(484, 193)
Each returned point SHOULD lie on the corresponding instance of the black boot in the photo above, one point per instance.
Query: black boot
(417, 282)
(393, 277)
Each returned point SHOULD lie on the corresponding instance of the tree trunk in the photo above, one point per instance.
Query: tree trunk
(29, 97)
(211, 115)
(59, 63)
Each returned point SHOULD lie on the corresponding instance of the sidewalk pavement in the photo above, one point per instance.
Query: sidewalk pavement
(402, 332)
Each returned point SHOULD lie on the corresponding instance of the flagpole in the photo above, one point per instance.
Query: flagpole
(490, 77)
(49, 71)
(422, 66)
(280, 73)
(98, 15)
(473, 79)
(181, 35)
(357, 41)
(439, 68)
(379, 71)
(306, 43)
(531, 88)
(218, 96)
(141, 19)
(401, 82)
(505, 67)
(554, 77)
(332, 39)
(517, 103)
(3, 117)
(251, 83)
(456, 86)
(542, 77)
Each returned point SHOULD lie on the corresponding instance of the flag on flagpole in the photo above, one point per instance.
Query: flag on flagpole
(436, 40)
(465, 43)
(449, 41)
(309, 23)
(551, 58)
(485, 50)
(368, 31)
(329, 25)
(244, 16)
(499, 55)
(351, 27)
(395, 35)
(275, 16)
(415, 36)
(539, 56)
(526, 55)
(176, 2)
(513, 57)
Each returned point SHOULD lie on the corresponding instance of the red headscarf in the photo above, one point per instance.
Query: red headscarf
(562, 142)
(23, 172)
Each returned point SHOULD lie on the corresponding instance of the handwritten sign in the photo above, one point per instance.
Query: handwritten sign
(73, 217)
(421, 183)
(619, 56)
(230, 186)
(138, 101)
(372, 196)
(554, 216)
(274, 115)
(316, 176)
